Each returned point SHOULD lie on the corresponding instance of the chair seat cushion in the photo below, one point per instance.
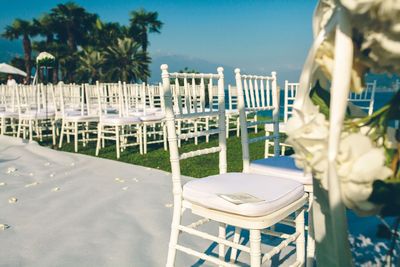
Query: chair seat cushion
(270, 127)
(116, 120)
(283, 167)
(32, 114)
(81, 118)
(152, 117)
(275, 192)
(8, 114)
(232, 111)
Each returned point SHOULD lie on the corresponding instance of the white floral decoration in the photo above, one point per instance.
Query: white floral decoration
(44, 56)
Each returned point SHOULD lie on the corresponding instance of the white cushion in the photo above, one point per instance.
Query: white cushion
(33, 114)
(231, 111)
(116, 120)
(81, 118)
(153, 117)
(283, 167)
(275, 192)
(270, 127)
(9, 114)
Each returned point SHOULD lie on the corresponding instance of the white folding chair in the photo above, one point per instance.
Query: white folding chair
(204, 197)
(364, 100)
(278, 166)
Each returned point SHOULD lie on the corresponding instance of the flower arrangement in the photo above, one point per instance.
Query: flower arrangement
(45, 59)
(367, 155)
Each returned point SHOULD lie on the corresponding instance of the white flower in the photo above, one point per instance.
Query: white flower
(308, 135)
(44, 56)
(359, 162)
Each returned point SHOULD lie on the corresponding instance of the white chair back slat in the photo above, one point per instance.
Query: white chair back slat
(193, 114)
(241, 82)
(364, 100)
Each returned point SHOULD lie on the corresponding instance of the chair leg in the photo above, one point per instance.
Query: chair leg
(173, 241)
(222, 235)
(236, 239)
(300, 241)
(196, 139)
(165, 137)
(179, 132)
(99, 130)
(256, 126)
(237, 127)
(76, 136)
(30, 131)
(255, 248)
(310, 234)
(117, 141)
(144, 138)
(53, 132)
(3, 125)
(207, 128)
(61, 134)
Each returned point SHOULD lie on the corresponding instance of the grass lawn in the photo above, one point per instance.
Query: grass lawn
(157, 158)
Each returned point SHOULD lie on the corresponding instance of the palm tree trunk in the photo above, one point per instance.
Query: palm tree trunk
(27, 56)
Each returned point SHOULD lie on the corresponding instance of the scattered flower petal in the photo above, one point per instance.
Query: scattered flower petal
(12, 200)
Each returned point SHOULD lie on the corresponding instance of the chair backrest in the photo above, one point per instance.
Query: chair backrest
(192, 113)
(232, 97)
(365, 99)
(72, 98)
(289, 97)
(266, 91)
(8, 100)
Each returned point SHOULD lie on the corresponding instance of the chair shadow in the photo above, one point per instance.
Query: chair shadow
(276, 260)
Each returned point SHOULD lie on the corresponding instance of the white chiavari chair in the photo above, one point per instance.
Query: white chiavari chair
(119, 126)
(289, 97)
(364, 100)
(232, 113)
(78, 117)
(276, 165)
(35, 111)
(278, 198)
(152, 118)
(8, 110)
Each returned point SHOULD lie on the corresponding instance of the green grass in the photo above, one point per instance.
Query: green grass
(157, 158)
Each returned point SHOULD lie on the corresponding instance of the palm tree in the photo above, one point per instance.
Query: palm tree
(91, 63)
(73, 23)
(25, 29)
(126, 62)
(142, 23)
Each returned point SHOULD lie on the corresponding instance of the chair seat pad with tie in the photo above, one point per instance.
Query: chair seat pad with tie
(282, 167)
(274, 192)
(116, 120)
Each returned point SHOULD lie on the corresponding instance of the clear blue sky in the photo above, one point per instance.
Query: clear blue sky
(257, 36)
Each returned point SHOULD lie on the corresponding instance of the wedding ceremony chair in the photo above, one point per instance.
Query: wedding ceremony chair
(150, 110)
(278, 165)
(275, 199)
(366, 99)
(8, 110)
(117, 125)
(35, 113)
(232, 113)
(77, 115)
